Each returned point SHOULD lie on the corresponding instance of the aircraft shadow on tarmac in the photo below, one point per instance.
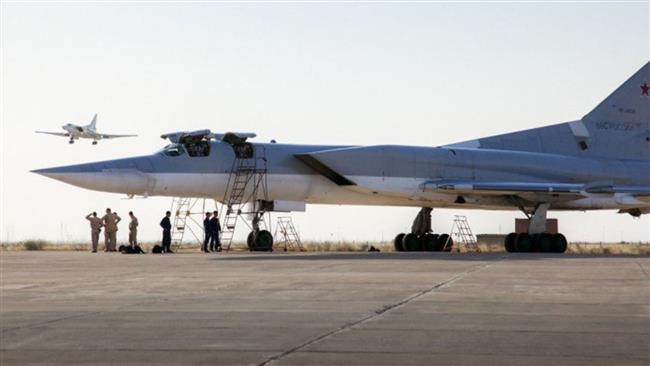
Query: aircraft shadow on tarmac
(417, 256)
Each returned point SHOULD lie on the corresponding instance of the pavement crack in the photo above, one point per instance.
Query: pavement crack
(645, 272)
(379, 312)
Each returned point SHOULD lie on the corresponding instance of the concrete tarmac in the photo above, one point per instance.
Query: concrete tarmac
(324, 308)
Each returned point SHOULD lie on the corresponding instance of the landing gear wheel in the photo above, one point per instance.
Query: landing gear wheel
(429, 242)
(544, 243)
(71, 142)
(524, 243)
(397, 242)
(445, 243)
(509, 242)
(559, 243)
(94, 142)
(263, 241)
(411, 243)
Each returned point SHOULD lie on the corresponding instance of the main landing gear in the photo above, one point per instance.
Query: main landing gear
(528, 243)
(421, 237)
(536, 240)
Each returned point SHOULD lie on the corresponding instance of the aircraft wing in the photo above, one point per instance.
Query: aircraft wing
(65, 134)
(500, 188)
(106, 136)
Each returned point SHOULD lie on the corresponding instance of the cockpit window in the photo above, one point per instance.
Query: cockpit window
(174, 150)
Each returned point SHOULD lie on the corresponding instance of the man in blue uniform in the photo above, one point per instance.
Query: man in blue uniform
(215, 228)
(207, 229)
(167, 233)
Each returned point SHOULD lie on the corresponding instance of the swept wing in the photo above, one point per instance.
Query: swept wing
(54, 133)
(106, 136)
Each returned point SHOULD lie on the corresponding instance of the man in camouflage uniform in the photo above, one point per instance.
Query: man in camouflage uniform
(110, 232)
(133, 230)
(95, 228)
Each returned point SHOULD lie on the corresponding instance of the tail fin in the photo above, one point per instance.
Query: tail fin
(630, 103)
(93, 123)
(618, 128)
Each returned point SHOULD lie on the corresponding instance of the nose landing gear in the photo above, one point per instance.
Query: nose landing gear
(260, 241)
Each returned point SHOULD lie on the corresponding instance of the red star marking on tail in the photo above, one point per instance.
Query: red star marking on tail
(645, 88)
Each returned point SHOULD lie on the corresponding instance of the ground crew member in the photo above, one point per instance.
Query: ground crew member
(215, 229)
(133, 230)
(167, 233)
(207, 229)
(110, 232)
(95, 229)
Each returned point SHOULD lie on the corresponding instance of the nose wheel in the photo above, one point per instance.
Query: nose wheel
(260, 241)
(94, 142)
(71, 141)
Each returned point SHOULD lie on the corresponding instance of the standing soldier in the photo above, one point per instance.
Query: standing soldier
(167, 233)
(95, 229)
(133, 230)
(215, 228)
(207, 229)
(110, 233)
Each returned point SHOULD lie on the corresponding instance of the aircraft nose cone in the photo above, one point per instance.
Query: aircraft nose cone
(117, 176)
(62, 171)
(70, 174)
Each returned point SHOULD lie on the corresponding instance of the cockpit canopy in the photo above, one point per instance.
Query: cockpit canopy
(173, 150)
(197, 143)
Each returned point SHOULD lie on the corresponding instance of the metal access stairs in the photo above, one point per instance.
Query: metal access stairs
(246, 178)
(187, 225)
(463, 236)
(288, 235)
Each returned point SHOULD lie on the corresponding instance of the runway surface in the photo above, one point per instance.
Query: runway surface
(324, 308)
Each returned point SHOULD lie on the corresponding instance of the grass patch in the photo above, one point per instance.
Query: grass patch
(34, 244)
(491, 244)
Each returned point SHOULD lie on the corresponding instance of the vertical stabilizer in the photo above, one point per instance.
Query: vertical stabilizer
(630, 103)
(618, 128)
(93, 123)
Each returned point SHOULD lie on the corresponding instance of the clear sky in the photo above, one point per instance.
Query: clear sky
(366, 73)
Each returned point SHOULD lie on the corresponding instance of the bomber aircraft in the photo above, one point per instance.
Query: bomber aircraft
(599, 162)
(89, 131)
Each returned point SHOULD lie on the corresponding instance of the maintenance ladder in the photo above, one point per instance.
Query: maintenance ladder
(288, 234)
(246, 172)
(463, 234)
(182, 209)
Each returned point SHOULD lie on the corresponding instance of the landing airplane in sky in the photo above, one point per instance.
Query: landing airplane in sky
(89, 131)
(600, 162)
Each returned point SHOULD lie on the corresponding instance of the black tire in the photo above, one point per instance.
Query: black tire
(559, 243)
(445, 243)
(250, 240)
(545, 243)
(524, 243)
(430, 242)
(509, 243)
(264, 241)
(397, 242)
(411, 243)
